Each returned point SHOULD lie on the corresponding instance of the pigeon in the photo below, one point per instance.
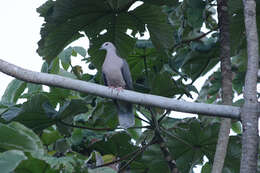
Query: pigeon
(116, 74)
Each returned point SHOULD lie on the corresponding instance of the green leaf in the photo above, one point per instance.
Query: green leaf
(238, 82)
(117, 143)
(9, 160)
(62, 146)
(160, 31)
(136, 132)
(58, 95)
(154, 161)
(80, 50)
(163, 85)
(206, 168)
(50, 136)
(105, 115)
(17, 136)
(13, 91)
(72, 108)
(45, 68)
(64, 21)
(77, 136)
(54, 67)
(237, 127)
(32, 88)
(66, 18)
(103, 170)
(190, 141)
(33, 165)
(64, 56)
(195, 13)
(36, 113)
(67, 74)
(162, 2)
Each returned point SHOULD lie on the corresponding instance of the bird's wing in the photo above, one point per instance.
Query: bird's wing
(127, 75)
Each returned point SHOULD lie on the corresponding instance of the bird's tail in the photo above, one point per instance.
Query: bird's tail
(125, 114)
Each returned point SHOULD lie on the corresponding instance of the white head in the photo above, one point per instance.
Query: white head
(108, 46)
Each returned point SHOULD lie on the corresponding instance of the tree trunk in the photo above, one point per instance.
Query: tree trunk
(227, 96)
(249, 113)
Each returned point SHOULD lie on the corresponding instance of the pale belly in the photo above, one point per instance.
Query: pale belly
(114, 78)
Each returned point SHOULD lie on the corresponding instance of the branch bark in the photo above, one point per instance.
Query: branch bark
(227, 96)
(249, 112)
(126, 95)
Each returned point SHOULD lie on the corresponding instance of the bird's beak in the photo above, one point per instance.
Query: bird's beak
(101, 48)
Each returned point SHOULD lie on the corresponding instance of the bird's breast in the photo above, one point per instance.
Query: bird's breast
(113, 75)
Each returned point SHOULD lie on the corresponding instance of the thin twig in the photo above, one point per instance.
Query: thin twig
(118, 160)
(176, 137)
(99, 129)
(197, 38)
(192, 39)
(142, 119)
(148, 118)
(164, 115)
(84, 127)
(136, 155)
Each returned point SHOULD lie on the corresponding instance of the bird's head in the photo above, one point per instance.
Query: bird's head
(108, 46)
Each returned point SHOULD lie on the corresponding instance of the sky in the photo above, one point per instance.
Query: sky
(19, 34)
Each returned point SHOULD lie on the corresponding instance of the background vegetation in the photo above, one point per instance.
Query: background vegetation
(64, 130)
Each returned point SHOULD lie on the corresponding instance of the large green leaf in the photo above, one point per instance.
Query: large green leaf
(161, 32)
(38, 114)
(232, 160)
(152, 160)
(72, 108)
(105, 115)
(13, 91)
(195, 12)
(17, 136)
(162, 2)
(237, 27)
(191, 141)
(49, 136)
(9, 160)
(103, 170)
(34, 165)
(101, 21)
(118, 144)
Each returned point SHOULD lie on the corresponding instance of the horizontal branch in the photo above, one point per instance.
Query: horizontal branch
(126, 95)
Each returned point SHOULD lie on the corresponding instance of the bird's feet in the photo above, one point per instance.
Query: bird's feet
(118, 89)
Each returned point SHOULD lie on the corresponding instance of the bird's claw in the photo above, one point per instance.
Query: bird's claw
(118, 89)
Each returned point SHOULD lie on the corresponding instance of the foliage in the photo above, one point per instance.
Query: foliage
(60, 130)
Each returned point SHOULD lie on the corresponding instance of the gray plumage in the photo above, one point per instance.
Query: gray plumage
(116, 73)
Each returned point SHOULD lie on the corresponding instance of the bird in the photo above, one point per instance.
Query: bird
(116, 74)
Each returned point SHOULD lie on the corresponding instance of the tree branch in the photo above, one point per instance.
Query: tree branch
(197, 38)
(126, 95)
(249, 114)
(227, 94)
(192, 39)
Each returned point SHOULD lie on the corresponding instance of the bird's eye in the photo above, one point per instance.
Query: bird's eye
(106, 44)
